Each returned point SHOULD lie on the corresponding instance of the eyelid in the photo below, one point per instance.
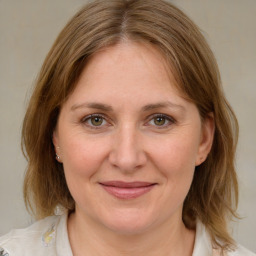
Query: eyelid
(169, 118)
(86, 118)
(92, 115)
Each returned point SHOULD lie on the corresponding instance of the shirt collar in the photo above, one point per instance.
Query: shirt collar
(203, 245)
(62, 241)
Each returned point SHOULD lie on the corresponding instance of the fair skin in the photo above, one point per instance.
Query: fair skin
(129, 143)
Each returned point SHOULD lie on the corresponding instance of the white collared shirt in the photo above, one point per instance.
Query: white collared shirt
(50, 237)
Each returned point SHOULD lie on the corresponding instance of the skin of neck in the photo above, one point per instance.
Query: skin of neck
(88, 237)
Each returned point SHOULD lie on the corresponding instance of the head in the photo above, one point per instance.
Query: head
(105, 24)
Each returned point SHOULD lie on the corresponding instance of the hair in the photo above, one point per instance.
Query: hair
(213, 195)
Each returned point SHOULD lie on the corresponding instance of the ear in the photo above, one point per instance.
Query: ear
(55, 141)
(207, 136)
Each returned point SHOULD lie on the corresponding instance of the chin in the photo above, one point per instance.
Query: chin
(128, 223)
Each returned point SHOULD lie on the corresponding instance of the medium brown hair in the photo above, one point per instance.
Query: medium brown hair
(214, 191)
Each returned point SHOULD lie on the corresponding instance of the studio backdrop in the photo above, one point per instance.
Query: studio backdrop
(28, 28)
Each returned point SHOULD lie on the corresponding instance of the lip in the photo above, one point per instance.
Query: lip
(127, 190)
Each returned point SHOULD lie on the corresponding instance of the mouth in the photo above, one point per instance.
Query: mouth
(127, 190)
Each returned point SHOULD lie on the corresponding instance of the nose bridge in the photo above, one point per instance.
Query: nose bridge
(127, 152)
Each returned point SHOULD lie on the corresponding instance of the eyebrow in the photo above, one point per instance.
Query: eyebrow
(108, 108)
(99, 106)
(165, 104)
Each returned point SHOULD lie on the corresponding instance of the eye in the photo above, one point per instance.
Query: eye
(94, 121)
(161, 120)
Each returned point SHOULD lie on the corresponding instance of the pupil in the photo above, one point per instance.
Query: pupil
(96, 121)
(159, 120)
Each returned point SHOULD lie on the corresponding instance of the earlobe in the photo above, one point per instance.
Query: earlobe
(207, 136)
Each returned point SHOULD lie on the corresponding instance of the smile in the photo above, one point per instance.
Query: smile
(127, 190)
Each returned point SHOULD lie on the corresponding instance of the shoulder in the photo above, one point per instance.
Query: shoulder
(241, 251)
(203, 245)
(40, 235)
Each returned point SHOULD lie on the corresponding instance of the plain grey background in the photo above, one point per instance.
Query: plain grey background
(28, 28)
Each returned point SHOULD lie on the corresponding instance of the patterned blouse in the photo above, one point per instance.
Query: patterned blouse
(50, 237)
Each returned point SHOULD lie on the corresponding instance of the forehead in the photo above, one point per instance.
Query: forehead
(128, 60)
(127, 71)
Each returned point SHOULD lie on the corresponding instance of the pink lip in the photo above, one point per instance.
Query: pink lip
(127, 190)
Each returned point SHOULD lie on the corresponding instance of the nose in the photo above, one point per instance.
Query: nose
(127, 153)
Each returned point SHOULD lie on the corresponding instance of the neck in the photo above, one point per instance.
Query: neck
(87, 238)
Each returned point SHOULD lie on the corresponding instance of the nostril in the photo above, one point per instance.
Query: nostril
(127, 152)
(126, 161)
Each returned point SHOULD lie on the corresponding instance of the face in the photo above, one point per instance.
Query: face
(129, 142)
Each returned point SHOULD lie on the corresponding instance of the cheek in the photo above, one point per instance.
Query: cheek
(82, 160)
(176, 153)
(82, 156)
(176, 162)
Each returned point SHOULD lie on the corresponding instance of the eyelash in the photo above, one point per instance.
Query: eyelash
(88, 118)
(167, 118)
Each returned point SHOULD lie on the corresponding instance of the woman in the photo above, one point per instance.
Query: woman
(129, 134)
